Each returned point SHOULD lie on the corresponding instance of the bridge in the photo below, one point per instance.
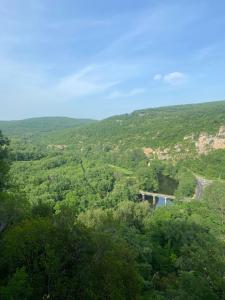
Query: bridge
(154, 195)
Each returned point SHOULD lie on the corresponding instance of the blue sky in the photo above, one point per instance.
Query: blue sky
(96, 58)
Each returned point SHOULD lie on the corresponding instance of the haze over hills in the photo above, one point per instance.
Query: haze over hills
(41, 125)
(197, 117)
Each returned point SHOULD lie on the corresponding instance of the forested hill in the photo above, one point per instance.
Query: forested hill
(152, 127)
(157, 127)
(194, 134)
(40, 125)
(73, 224)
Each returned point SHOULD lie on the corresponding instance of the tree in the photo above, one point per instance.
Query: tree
(187, 184)
(12, 206)
(214, 196)
(18, 287)
(148, 178)
(188, 260)
(61, 261)
(4, 166)
(133, 214)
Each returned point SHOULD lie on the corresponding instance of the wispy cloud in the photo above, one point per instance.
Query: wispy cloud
(32, 84)
(69, 54)
(97, 79)
(83, 83)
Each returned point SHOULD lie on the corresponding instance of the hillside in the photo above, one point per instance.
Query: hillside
(72, 219)
(157, 127)
(40, 125)
(192, 134)
(168, 139)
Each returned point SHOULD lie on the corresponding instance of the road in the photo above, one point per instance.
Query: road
(201, 184)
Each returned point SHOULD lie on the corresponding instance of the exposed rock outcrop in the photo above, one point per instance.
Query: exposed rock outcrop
(162, 154)
(207, 142)
(202, 145)
(148, 151)
(59, 147)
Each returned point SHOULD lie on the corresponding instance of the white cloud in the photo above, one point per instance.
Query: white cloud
(157, 77)
(133, 92)
(175, 78)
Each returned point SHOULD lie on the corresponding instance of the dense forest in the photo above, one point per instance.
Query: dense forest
(73, 224)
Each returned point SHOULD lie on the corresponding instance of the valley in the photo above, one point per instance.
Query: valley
(137, 198)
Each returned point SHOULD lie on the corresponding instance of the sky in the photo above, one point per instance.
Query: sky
(97, 58)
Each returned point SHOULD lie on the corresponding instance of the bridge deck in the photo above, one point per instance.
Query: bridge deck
(172, 197)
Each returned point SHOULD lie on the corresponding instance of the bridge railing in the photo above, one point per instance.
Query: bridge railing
(172, 197)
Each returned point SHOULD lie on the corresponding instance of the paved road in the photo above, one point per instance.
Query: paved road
(201, 184)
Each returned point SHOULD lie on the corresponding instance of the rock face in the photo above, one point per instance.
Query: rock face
(59, 147)
(148, 151)
(161, 154)
(222, 132)
(207, 142)
(203, 145)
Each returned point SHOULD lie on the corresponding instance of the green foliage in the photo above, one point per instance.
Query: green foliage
(187, 258)
(214, 196)
(68, 263)
(3, 160)
(13, 208)
(133, 214)
(72, 225)
(18, 287)
(103, 163)
(210, 165)
(148, 179)
(155, 127)
(187, 184)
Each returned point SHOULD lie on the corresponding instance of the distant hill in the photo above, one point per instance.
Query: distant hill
(192, 135)
(155, 127)
(40, 125)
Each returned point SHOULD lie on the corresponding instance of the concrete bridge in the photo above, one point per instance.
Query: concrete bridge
(154, 195)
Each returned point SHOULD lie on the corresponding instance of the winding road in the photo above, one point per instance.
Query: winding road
(201, 184)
